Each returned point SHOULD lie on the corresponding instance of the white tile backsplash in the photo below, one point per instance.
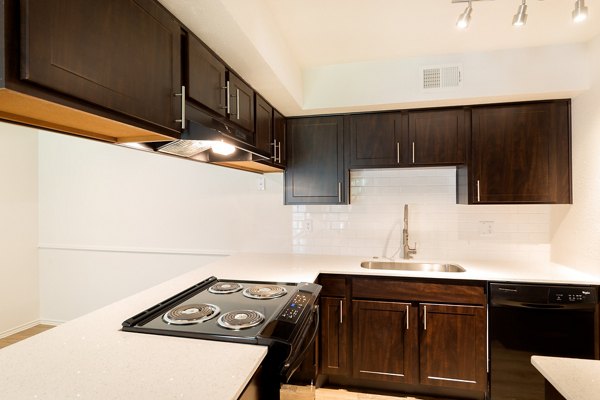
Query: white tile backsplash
(372, 224)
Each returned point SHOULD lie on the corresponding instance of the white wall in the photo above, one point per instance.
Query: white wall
(115, 220)
(577, 241)
(503, 75)
(372, 224)
(19, 299)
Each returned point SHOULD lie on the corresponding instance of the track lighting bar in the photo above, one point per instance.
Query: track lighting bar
(579, 14)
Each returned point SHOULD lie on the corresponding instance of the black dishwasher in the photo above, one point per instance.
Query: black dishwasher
(529, 319)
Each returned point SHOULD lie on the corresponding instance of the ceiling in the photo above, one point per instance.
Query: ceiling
(321, 32)
(273, 44)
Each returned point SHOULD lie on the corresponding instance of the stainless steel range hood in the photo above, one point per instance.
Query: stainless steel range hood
(202, 131)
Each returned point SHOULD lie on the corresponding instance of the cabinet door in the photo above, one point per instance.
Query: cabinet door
(119, 54)
(375, 140)
(263, 132)
(384, 341)
(315, 167)
(453, 346)
(206, 77)
(437, 137)
(279, 152)
(521, 153)
(335, 352)
(241, 103)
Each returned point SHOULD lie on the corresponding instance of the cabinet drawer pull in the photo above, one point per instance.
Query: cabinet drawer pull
(339, 192)
(341, 311)
(182, 95)
(362, 371)
(424, 318)
(413, 152)
(407, 316)
(450, 379)
(478, 192)
(398, 152)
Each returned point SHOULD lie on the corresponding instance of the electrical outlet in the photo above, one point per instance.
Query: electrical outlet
(308, 225)
(261, 183)
(486, 228)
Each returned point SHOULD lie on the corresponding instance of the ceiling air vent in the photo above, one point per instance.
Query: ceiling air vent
(441, 76)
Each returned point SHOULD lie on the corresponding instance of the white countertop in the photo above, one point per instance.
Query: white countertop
(574, 379)
(90, 358)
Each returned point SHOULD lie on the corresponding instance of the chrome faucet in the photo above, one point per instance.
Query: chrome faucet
(407, 251)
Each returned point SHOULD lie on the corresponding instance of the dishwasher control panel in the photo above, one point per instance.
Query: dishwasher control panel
(570, 295)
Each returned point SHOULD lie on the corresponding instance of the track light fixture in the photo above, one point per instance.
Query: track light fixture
(465, 17)
(520, 18)
(580, 12)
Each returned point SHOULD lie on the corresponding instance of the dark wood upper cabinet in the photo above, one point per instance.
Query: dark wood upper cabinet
(384, 344)
(123, 55)
(453, 346)
(207, 77)
(264, 125)
(437, 137)
(315, 165)
(241, 103)
(376, 140)
(520, 154)
(279, 138)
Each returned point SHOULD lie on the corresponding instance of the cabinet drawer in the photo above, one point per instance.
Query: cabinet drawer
(333, 285)
(395, 289)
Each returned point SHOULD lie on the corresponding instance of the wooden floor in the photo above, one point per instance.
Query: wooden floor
(7, 341)
(307, 393)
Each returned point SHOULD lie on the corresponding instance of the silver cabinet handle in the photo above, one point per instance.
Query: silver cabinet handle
(341, 311)
(339, 192)
(413, 152)
(274, 144)
(425, 318)
(237, 103)
(279, 152)
(227, 99)
(407, 314)
(398, 152)
(182, 95)
(478, 192)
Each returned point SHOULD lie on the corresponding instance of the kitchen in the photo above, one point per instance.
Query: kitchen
(78, 224)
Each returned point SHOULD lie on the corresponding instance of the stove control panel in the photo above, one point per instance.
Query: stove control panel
(293, 309)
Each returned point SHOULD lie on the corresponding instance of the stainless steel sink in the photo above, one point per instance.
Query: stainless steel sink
(412, 266)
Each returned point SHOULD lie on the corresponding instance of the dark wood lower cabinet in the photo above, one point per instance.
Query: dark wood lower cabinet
(405, 336)
(384, 341)
(335, 336)
(453, 346)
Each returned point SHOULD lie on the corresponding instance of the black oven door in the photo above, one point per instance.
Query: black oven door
(302, 346)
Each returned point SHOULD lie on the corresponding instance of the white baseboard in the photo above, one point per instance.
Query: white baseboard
(50, 322)
(28, 325)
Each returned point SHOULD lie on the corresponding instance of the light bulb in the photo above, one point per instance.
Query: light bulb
(223, 148)
(580, 11)
(464, 18)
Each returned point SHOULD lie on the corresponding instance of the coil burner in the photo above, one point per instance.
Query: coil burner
(188, 314)
(264, 292)
(242, 319)
(225, 287)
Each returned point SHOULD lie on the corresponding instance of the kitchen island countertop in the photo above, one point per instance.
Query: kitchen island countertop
(574, 379)
(90, 358)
